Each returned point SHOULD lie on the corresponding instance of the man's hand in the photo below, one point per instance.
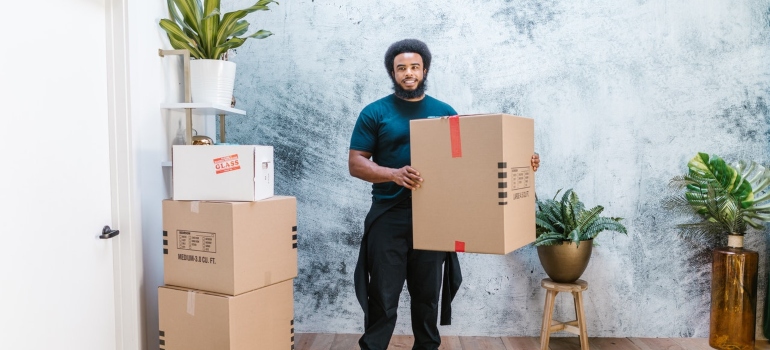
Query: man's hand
(535, 161)
(361, 166)
(407, 177)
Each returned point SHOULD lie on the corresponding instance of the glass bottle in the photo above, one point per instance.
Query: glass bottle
(733, 296)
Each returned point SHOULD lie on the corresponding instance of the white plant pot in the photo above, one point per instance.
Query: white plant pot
(212, 81)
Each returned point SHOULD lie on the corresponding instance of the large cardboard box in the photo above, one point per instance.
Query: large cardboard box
(478, 193)
(222, 172)
(229, 247)
(262, 319)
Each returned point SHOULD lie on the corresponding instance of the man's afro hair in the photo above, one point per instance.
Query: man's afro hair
(407, 45)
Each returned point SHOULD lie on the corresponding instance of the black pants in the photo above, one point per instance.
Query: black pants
(391, 261)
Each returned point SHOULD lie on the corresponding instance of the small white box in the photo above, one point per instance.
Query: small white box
(222, 172)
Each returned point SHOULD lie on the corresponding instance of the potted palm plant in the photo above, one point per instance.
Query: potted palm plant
(561, 226)
(209, 35)
(726, 200)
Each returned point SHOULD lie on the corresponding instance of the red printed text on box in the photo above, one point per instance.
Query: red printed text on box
(227, 164)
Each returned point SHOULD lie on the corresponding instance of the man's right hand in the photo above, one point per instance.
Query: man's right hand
(407, 177)
(361, 166)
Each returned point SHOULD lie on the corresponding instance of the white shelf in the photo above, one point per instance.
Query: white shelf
(204, 108)
(166, 163)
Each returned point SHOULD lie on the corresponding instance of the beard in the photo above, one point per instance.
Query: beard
(410, 94)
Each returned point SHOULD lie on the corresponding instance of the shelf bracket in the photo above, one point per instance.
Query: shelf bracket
(222, 128)
(187, 93)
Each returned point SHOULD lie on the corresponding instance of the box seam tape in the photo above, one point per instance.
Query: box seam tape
(191, 302)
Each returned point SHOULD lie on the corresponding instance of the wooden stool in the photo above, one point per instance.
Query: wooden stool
(575, 327)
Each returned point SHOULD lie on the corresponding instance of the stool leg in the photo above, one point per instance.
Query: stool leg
(581, 318)
(545, 332)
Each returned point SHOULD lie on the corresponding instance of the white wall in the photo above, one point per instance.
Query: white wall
(154, 80)
(149, 87)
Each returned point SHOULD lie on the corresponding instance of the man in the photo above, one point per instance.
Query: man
(380, 154)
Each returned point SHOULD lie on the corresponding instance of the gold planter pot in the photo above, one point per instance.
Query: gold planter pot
(733, 297)
(565, 262)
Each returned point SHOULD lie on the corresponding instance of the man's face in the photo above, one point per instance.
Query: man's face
(409, 73)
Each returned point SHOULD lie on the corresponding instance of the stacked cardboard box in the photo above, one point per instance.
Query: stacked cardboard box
(229, 253)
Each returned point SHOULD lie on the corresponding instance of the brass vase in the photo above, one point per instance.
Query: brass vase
(565, 262)
(733, 296)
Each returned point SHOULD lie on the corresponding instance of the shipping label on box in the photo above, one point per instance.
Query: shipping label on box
(229, 247)
(197, 241)
(227, 163)
(198, 320)
(222, 172)
(478, 190)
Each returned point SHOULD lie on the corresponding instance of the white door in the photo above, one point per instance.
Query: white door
(56, 275)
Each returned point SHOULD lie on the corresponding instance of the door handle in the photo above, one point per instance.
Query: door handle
(108, 233)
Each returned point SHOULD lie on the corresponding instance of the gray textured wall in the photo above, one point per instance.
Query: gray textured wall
(623, 93)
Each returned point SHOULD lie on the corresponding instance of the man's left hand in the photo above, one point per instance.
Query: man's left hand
(535, 161)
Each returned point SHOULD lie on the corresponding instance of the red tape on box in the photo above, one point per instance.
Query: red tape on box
(460, 246)
(454, 136)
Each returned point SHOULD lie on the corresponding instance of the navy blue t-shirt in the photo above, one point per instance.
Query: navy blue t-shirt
(382, 129)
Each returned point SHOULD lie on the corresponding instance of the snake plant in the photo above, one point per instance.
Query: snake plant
(727, 199)
(201, 29)
(567, 220)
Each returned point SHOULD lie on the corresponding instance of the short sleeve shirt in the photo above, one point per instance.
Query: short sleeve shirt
(382, 129)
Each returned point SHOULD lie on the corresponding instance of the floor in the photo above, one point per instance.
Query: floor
(324, 341)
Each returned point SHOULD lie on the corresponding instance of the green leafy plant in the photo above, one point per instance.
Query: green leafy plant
(200, 27)
(725, 199)
(567, 220)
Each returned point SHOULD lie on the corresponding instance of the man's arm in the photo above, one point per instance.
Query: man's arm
(361, 166)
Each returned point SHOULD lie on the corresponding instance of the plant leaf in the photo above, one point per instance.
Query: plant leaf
(261, 34)
(178, 39)
(229, 20)
(603, 224)
(731, 198)
(549, 238)
(210, 27)
(239, 28)
(568, 220)
(205, 31)
(230, 44)
(191, 12)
